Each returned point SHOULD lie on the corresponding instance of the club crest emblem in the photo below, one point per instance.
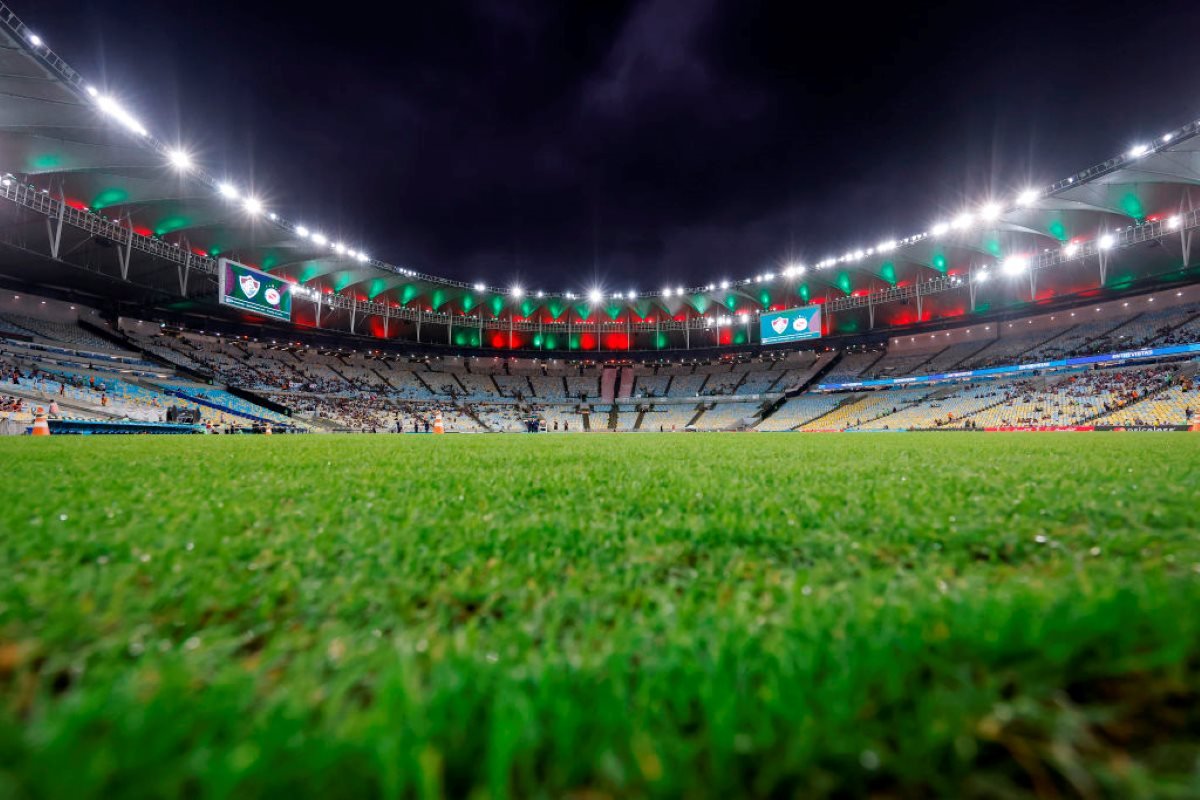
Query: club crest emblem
(249, 286)
(779, 325)
(272, 296)
(800, 324)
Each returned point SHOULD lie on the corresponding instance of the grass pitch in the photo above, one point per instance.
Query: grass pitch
(589, 616)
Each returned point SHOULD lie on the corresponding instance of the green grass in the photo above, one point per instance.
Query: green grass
(629, 616)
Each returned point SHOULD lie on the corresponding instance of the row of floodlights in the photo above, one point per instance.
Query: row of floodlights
(988, 212)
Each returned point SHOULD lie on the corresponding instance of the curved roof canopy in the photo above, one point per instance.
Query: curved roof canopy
(71, 140)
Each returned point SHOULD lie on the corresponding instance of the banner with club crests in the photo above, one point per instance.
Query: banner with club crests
(793, 325)
(253, 290)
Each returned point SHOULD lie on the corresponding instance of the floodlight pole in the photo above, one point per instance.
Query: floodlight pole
(687, 331)
(450, 330)
(318, 308)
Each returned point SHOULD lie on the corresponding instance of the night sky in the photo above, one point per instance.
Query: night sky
(634, 145)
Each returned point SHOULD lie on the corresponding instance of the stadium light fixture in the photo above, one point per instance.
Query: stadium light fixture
(982, 276)
(886, 247)
(517, 292)
(302, 231)
(724, 284)
(1172, 223)
(1106, 241)
(631, 295)
(227, 190)
(180, 160)
(1015, 265)
(679, 291)
(666, 292)
(253, 205)
(596, 296)
(479, 287)
(1137, 151)
(35, 40)
(361, 256)
(319, 238)
(989, 211)
(114, 110)
(939, 229)
(1027, 197)
(770, 276)
(1070, 250)
(962, 221)
(540, 293)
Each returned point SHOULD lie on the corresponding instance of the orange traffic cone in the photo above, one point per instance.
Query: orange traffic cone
(40, 426)
(438, 426)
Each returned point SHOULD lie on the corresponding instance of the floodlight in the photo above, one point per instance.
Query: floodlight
(1106, 241)
(1027, 197)
(253, 205)
(180, 160)
(1015, 265)
(227, 190)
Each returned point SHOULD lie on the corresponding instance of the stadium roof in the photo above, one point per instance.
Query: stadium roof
(1111, 226)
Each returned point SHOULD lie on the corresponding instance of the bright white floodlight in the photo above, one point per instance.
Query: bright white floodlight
(228, 191)
(596, 296)
(1027, 197)
(1106, 241)
(180, 160)
(479, 287)
(253, 205)
(939, 229)
(517, 292)
(1070, 250)
(1015, 265)
(989, 211)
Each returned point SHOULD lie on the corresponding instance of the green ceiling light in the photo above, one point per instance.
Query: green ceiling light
(496, 304)
(843, 282)
(175, 223)
(1057, 229)
(584, 310)
(573, 344)
(700, 302)
(528, 306)
(740, 336)
(888, 272)
(764, 298)
(939, 261)
(468, 302)
(537, 341)
(551, 341)
(992, 245)
(409, 293)
(731, 302)
(613, 310)
(310, 270)
(45, 161)
(1132, 205)
(109, 197)
(661, 341)
(804, 292)
(343, 280)
(438, 298)
(376, 288)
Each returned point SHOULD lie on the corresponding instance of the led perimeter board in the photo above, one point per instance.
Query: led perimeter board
(793, 325)
(255, 291)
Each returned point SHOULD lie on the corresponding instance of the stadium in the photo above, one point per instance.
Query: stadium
(284, 516)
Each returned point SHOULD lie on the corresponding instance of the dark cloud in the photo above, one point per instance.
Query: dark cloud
(635, 143)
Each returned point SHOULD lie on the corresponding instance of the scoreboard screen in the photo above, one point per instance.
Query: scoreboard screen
(793, 325)
(253, 290)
